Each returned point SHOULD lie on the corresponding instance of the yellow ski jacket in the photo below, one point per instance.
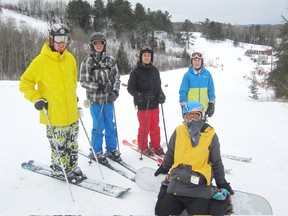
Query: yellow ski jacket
(53, 76)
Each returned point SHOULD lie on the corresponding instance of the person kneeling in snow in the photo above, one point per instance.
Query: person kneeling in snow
(193, 158)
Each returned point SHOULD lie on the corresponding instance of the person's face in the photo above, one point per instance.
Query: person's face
(61, 42)
(60, 47)
(99, 45)
(192, 115)
(146, 58)
(196, 63)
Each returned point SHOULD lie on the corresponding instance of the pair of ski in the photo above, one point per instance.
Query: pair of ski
(134, 146)
(90, 184)
(113, 168)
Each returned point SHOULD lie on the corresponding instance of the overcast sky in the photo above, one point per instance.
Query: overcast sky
(225, 11)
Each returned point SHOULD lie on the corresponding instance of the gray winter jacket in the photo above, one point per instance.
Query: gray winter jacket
(181, 176)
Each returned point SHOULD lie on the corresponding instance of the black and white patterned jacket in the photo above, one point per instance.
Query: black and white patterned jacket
(93, 72)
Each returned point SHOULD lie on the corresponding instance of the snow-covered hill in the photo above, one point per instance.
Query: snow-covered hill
(245, 128)
(20, 19)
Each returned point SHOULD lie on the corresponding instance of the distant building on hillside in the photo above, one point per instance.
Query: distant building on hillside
(259, 56)
(251, 52)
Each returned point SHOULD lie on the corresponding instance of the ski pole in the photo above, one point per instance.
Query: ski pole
(117, 139)
(58, 154)
(80, 115)
(164, 124)
(145, 122)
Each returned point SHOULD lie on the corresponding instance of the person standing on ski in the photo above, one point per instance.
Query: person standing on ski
(100, 77)
(193, 158)
(144, 85)
(54, 72)
(197, 85)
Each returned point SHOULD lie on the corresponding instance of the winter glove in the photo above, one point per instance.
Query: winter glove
(113, 96)
(41, 104)
(226, 186)
(149, 95)
(210, 110)
(106, 88)
(161, 170)
(161, 98)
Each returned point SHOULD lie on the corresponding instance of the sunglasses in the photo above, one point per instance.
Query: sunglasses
(196, 55)
(99, 42)
(61, 39)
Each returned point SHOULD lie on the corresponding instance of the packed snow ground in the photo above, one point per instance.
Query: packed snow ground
(245, 128)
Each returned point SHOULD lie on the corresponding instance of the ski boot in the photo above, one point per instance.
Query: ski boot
(114, 155)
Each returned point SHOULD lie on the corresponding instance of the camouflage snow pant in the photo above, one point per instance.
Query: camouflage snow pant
(65, 138)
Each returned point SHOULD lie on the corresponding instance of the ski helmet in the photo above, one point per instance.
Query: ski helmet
(95, 36)
(146, 48)
(59, 29)
(193, 106)
(196, 55)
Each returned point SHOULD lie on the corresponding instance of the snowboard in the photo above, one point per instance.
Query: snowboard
(243, 203)
(90, 184)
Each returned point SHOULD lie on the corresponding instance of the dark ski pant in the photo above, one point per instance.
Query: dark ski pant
(169, 204)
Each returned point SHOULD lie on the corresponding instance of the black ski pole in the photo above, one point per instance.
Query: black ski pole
(145, 122)
(93, 152)
(58, 154)
(164, 124)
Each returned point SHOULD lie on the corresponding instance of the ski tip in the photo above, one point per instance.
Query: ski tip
(123, 193)
(30, 161)
(24, 164)
(160, 160)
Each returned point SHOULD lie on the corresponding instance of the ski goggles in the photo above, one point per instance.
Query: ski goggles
(146, 48)
(196, 55)
(61, 39)
(99, 43)
(193, 116)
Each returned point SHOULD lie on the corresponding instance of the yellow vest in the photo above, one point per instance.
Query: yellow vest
(197, 157)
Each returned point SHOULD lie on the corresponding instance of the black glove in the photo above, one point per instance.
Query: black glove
(226, 186)
(161, 170)
(161, 98)
(41, 104)
(149, 95)
(210, 110)
(113, 96)
(106, 88)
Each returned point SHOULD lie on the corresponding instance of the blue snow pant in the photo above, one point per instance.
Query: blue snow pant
(106, 127)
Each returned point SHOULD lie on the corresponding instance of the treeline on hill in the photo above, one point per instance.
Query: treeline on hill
(126, 30)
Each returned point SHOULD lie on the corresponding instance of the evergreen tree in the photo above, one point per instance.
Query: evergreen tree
(254, 89)
(78, 14)
(122, 59)
(187, 28)
(279, 76)
(120, 13)
(99, 12)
